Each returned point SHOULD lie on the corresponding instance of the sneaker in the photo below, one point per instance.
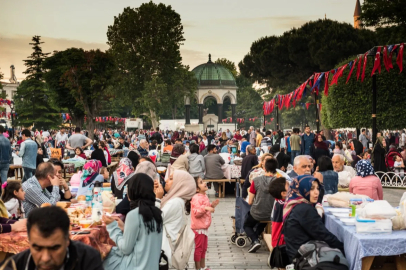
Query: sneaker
(254, 247)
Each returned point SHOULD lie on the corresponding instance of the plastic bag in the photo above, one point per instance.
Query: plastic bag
(109, 204)
(342, 199)
(378, 210)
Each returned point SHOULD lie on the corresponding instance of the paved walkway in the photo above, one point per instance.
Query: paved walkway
(222, 254)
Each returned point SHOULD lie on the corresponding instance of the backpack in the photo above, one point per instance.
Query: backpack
(317, 255)
(183, 246)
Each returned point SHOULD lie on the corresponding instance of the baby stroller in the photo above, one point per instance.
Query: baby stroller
(389, 159)
(242, 208)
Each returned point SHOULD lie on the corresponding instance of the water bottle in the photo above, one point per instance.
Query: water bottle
(89, 195)
(125, 191)
(100, 198)
(95, 199)
(232, 158)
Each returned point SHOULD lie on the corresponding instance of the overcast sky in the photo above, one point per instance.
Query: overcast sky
(224, 28)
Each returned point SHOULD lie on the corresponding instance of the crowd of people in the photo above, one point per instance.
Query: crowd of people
(285, 174)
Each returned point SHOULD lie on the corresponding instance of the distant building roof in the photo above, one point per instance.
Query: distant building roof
(357, 11)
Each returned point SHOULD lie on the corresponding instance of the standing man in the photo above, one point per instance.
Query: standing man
(28, 151)
(307, 141)
(258, 138)
(253, 136)
(228, 134)
(78, 140)
(237, 135)
(213, 162)
(295, 143)
(5, 155)
(402, 139)
(61, 138)
(363, 139)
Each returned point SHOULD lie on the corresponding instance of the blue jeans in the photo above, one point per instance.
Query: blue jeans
(294, 154)
(4, 172)
(28, 173)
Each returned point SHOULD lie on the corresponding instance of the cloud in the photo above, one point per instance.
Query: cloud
(14, 49)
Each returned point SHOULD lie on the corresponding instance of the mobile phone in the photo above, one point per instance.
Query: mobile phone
(81, 232)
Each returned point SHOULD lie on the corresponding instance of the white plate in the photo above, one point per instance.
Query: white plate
(341, 215)
(348, 221)
(339, 210)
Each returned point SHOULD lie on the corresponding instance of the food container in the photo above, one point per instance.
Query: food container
(348, 221)
(365, 225)
(339, 210)
(85, 223)
(342, 215)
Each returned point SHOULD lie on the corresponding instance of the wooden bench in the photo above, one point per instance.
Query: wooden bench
(222, 185)
(268, 240)
(17, 168)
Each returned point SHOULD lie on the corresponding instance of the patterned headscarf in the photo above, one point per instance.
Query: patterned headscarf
(123, 173)
(299, 192)
(364, 168)
(90, 171)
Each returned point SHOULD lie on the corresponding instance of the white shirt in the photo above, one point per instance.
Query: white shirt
(61, 138)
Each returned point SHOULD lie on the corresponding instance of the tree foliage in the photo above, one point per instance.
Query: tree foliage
(33, 100)
(86, 75)
(230, 65)
(145, 43)
(350, 105)
(383, 13)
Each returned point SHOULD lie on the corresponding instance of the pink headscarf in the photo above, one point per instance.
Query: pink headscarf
(90, 171)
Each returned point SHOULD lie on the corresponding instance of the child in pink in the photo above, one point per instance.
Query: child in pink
(201, 210)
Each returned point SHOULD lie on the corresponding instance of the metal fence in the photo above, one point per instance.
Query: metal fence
(392, 179)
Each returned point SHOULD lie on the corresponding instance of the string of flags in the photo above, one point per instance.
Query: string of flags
(360, 62)
(101, 119)
(6, 102)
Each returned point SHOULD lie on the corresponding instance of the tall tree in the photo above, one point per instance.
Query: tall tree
(230, 65)
(33, 100)
(145, 43)
(1, 78)
(87, 75)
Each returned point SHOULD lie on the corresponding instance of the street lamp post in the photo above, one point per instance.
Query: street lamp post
(12, 120)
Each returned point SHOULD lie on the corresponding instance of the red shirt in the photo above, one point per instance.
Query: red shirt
(238, 137)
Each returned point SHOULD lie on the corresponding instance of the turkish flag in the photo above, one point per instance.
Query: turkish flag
(399, 60)
(377, 62)
(359, 67)
(352, 68)
(365, 67)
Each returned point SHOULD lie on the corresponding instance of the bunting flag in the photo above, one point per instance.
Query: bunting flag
(300, 92)
(338, 74)
(316, 84)
(352, 65)
(288, 98)
(307, 105)
(377, 62)
(399, 60)
(320, 106)
(326, 83)
(359, 67)
(280, 102)
(386, 61)
(391, 49)
(365, 66)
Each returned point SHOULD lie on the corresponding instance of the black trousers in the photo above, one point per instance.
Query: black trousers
(249, 225)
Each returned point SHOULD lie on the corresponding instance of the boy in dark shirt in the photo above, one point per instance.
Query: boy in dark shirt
(278, 189)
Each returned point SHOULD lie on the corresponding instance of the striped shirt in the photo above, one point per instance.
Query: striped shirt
(35, 196)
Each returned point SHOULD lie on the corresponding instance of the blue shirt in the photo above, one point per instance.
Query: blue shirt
(28, 151)
(244, 146)
(288, 144)
(307, 142)
(5, 150)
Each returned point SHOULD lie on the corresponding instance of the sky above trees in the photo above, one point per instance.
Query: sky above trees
(224, 28)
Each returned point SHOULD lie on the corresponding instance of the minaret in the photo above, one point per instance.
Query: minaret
(357, 14)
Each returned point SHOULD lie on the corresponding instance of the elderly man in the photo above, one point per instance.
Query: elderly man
(143, 148)
(249, 161)
(253, 135)
(301, 165)
(35, 190)
(345, 173)
(213, 162)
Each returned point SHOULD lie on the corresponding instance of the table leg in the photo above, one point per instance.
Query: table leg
(367, 262)
(224, 190)
(16, 174)
(400, 262)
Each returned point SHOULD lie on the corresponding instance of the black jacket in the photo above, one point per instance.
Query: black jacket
(248, 162)
(304, 224)
(81, 257)
(98, 154)
(158, 137)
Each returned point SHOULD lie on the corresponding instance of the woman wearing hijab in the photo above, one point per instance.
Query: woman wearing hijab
(358, 149)
(174, 137)
(90, 175)
(379, 153)
(302, 221)
(366, 182)
(320, 148)
(180, 187)
(139, 240)
(133, 155)
(98, 154)
(120, 177)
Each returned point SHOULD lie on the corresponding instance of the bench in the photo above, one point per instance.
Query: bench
(268, 240)
(17, 168)
(222, 185)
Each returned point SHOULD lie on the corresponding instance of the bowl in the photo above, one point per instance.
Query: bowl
(342, 215)
(85, 223)
(348, 221)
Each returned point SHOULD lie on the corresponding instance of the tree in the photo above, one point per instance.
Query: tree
(145, 44)
(87, 75)
(32, 102)
(1, 78)
(350, 105)
(230, 65)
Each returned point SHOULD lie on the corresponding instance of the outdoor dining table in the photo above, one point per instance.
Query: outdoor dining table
(16, 242)
(361, 249)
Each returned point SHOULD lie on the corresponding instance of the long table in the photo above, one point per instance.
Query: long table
(361, 249)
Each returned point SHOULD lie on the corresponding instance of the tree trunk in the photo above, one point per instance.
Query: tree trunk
(154, 120)
(90, 128)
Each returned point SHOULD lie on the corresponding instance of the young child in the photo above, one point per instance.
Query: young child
(399, 166)
(12, 196)
(201, 210)
(261, 204)
(278, 188)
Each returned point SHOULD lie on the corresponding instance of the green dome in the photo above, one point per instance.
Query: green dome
(211, 74)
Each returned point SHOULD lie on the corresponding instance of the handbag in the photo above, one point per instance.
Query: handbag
(165, 158)
(279, 257)
(163, 261)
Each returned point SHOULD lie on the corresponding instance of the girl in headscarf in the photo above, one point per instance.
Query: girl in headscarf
(138, 241)
(302, 221)
(120, 177)
(366, 182)
(90, 175)
(181, 187)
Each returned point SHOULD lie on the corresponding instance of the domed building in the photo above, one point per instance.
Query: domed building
(214, 81)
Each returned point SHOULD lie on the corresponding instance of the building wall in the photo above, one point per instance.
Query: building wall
(10, 89)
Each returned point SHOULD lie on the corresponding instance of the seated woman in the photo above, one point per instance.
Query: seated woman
(302, 222)
(9, 225)
(179, 160)
(79, 153)
(196, 162)
(98, 154)
(90, 175)
(366, 182)
(120, 177)
(330, 177)
(139, 240)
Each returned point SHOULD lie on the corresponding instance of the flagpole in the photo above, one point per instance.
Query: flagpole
(316, 102)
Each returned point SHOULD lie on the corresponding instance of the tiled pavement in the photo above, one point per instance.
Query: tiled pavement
(221, 254)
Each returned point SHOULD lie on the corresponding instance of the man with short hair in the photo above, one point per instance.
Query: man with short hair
(266, 142)
(157, 136)
(253, 135)
(28, 152)
(61, 138)
(295, 143)
(258, 138)
(35, 188)
(345, 173)
(5, 155)
(229, 134)
(237, 136)
(78, 140)
(122, 143)
(244, 144)
(301, 166)
(143, 148)
(50, 246)
(213, 162)
(307, 141)
(363, 139)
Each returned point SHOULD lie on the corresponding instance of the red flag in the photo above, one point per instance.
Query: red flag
(320, 106)
(391, 53)
(359, 67)
(307, 105)
(288, 98)
(352, 68)
(377, 61)
(301, 89)
(399, 60)
(280, 102)
(326, 83)
(338, 74)
(271, 119)
(316, 77)
(97, 119)
(386, 61)
(365, 67)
